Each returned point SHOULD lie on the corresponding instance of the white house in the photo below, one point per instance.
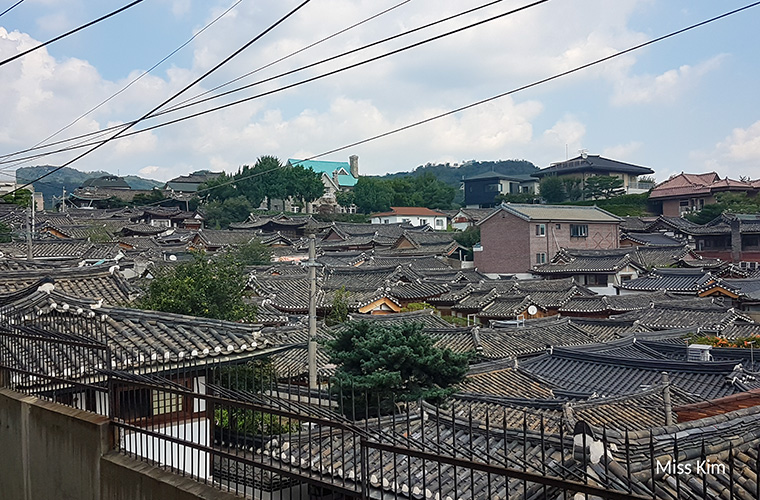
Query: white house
(416, 216)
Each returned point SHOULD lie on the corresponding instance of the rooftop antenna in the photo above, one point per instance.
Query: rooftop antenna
(584, 153)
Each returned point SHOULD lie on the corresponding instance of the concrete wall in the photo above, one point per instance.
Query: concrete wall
(51, 451)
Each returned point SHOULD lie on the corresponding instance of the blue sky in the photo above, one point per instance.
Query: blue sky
(688, 104)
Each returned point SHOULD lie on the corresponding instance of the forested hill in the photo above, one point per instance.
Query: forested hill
(452, 175)
(70, 179)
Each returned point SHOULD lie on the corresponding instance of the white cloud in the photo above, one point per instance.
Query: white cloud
(623, 152)
(666, 87)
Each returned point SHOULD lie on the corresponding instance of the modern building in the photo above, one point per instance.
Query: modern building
(480, 191)
(585, 165)
(517, 237)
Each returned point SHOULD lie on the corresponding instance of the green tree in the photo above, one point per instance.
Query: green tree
(552, 189)
(219, 213)
(201, 287)
(339, 310)
(392, 363)
(736, 203)
(573, 188)
(468, 238)
(22, 198)
(372, 195)
(304, 184)
(417, 306)
(5, 233)
(432, 193)
(253, 253)
(603, 186)
(345, 198)
(155, 196)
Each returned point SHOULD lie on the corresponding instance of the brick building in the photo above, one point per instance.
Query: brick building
(516, 237)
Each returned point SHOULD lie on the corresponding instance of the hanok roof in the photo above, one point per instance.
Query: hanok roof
(671, 280)
(593, 164)
(696, 184)
(614, 375)
(558, 213)
(190, 183)
(92, 282)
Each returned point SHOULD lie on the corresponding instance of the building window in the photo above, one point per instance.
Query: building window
(423, 222)
(493, 188)
(438, 223)
(558, 226)
(540, 229)
(578, 230)
(385, 221)
(541, 258)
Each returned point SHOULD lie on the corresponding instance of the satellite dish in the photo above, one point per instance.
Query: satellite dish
(532, 309)
(173, 258)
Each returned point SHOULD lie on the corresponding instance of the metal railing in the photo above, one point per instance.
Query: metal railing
(245, 429)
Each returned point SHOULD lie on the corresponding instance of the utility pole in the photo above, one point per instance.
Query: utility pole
(29, 253)
(312, 348)
(666, 399)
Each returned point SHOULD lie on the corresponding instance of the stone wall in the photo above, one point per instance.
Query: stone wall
(55, 451)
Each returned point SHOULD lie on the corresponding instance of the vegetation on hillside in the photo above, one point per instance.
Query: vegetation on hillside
(735, 203)
(374, 194)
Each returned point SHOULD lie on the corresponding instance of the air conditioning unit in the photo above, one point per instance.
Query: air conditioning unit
(699, 352)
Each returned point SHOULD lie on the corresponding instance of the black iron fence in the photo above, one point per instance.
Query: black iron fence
(237, 425)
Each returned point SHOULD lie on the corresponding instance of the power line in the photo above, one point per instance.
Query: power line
(456, 110)
(123, 89)
(59, 37)
(10, 8)
(302, 82)
(99, 132)
(194, 82)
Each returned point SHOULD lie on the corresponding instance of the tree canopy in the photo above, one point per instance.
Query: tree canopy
(552, 189)
(268, 179)
(394, 362)
(201, 287)
(373, 194)
(736, 203)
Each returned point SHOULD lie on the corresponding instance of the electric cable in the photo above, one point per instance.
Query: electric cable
(75, 30)
(10, 8)
(456, 110)
(184, 89)
(302, 82)
(135, 80)
(41, 144)
(184, 104)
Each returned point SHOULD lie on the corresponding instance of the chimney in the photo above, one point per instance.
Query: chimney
(736, 240)
(353, 160)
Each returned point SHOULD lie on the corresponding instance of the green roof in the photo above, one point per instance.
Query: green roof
(328, 167)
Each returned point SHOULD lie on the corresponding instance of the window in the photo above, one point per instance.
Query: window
(558, 226)
(423, 222)
(438, 223)
(578, 230)
(541, 258)
(540, 229)
(493, 188)
(385, 221)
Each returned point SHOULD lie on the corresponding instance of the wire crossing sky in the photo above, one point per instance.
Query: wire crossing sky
(686, 104)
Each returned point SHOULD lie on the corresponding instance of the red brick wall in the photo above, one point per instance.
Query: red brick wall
(510, 243)
(505, 239)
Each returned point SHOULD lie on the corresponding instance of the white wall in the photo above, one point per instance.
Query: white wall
(188, 459)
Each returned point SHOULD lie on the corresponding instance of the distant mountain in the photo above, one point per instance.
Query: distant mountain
(453, 174)
(70, 179)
